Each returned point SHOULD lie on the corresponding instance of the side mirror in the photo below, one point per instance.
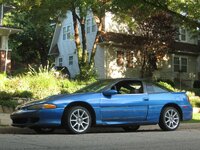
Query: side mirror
(109, 92)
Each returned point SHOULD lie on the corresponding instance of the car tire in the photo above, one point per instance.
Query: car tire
(43, 130)
(131, 128)
(169, 119)
(77, 120)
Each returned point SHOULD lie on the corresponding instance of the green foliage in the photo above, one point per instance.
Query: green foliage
(5, 95)
(194, 99)
(8, 103)
(168, 81)
(167, 86)
(36, 84)
(87, 74)
(196, 91)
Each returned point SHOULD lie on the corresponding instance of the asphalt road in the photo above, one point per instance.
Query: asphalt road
(104, 139)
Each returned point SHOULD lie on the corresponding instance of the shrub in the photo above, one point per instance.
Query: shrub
(196, 91)
(167, 86)
(5, 95)
(42, 83)
(196, 84)
(2, 81)
(36, 84)
(23, 94)
(87, 74)
(168, 81)
(9, 103)
(195, 102)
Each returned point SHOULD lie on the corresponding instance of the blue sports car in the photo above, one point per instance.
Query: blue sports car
(127, 103)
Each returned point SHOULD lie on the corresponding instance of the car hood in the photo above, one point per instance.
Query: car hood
(71, 97)
(60, 98)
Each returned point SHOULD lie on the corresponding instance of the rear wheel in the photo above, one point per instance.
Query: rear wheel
(131, 128)
(43, 130)
(77, 120)
(169, 119)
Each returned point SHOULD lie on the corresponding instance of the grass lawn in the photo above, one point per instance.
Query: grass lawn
(195, 119)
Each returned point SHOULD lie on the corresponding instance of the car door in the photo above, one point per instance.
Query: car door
(129, 105)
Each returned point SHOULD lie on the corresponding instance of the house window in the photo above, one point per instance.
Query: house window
(125, 57)
(183, 34)
(60, 61)
(93, 25)
(70, 60)
(88, 25)
(177, 34)
(180, 64)
(66, 32)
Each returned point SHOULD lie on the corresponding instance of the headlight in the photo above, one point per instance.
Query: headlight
(41, 106)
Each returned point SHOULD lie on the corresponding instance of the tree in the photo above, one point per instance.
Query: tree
(31, 45)
(186, 12)
(39, 11)
(158, 34)
(43, 12)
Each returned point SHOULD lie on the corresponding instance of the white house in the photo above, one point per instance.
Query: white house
(5, 32)
(112, 59)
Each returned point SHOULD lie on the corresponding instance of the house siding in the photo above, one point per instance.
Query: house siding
(100, 62)
(166, 70)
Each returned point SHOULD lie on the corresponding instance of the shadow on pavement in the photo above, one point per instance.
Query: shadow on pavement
(96, 130)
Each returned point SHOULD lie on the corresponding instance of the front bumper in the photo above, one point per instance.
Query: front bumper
(37, 118)
(187, 112)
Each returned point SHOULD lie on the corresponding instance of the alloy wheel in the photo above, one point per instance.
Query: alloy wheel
(171, 119)
(79, 120)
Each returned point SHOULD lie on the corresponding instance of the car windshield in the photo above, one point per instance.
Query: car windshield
(97, 86)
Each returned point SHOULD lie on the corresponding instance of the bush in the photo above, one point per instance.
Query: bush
(196, 84)
(36, 84)
(195, 102)
(23, 94)
(5, 95)
(87, 74)
(168, 81)
(8, 103)
(196, 91)
(167, 86)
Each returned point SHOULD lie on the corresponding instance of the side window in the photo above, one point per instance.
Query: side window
(88, 25)
(60, 61)
(70, 60)
(150, 88)
(129, 87)
(154, 89)
(64, 33)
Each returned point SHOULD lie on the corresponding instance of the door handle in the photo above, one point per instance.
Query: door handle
(145, 99)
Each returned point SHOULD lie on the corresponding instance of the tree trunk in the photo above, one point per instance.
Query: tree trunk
(77, 38)
(96, 41)
(142, 71)
(84, 42)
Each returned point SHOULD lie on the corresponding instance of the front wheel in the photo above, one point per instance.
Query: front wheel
(169, 119)
(77, 120)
